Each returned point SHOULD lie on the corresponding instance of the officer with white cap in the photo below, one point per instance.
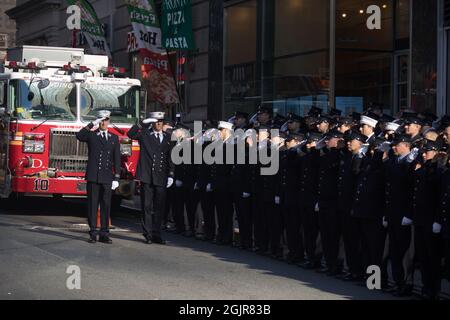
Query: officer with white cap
(222, 188)
(368, 124)
(155, 171)
(102, 173)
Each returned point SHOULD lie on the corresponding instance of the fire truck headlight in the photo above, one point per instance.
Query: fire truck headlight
(34, 143)
(126, 147)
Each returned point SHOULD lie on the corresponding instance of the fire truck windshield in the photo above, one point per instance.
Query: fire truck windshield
(53, 100)
(121, 100)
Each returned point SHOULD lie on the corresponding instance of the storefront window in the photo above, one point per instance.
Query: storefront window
(240, 88)
(424, 56)
(299, 73)
(364, 47)
(402, 24)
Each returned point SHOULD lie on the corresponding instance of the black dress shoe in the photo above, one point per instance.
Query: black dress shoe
(308, 265)
(148, 240)
(158, 241)
(105, 239)
(92, 240)
(323, 270)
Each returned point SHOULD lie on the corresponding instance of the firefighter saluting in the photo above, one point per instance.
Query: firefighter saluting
(102, 173)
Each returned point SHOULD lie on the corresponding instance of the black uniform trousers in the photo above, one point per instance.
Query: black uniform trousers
(178, 209)
(191, 200)
(447, 258)
(153, 200)
(293, 226)
(169, 207)
(428, 247)
(261, 213)
(225, 214)
(99, 194)
(209, 214)
(351, 236)
(399, 244)
(330, 233)
(310, 220)
(243, 208)
(276, 227)
(373, 237)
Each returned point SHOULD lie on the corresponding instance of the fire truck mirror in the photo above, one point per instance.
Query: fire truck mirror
(30, 96)
(3, 95)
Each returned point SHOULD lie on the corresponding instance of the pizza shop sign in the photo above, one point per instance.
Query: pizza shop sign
(177, 25)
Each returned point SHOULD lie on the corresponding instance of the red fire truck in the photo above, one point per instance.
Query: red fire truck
(47, 94)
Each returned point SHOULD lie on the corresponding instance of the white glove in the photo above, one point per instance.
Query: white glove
(178, 183)
(437, 228)
(246, 195)
(98, 121)
(316, 208)
(149, 120)
(277, 200)
(196, 186)
(169, 182)
(115, 185)
(209, 188)
(406, 222)
(385, 223)
(385, 146)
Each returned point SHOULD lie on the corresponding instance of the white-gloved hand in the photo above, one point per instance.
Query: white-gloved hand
(246, 195)
(406, 222)
(169, 182)
(98, 121)
(437, 228)
(277, 200)
(196, 186)
(179, 183)
(385, 223)
(316, 208)
(115, 185)
(385, 146)
(149, 120)
(209, 188)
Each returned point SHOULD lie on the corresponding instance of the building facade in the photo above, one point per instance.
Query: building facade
(285, 54)
(7, 27)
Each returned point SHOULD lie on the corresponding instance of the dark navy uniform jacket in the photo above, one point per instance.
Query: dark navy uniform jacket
(155, 162)
(369, 200)
(444, 203)
(425, 195)
(328, 177)
(103, 156)
(309, 176)
(398, 189)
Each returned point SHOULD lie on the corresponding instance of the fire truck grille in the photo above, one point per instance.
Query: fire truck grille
(67, 154)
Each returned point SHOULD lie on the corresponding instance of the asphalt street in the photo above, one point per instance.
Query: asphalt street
(41, 238)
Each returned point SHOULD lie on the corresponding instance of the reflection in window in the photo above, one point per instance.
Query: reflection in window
(34, 101)
(240, 88)
(298, 78)
(293, 21)
(424, 56)
(363, 56)
(300, 83)
(121, 100)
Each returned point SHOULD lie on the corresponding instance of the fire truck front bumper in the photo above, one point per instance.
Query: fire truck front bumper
(74, 187)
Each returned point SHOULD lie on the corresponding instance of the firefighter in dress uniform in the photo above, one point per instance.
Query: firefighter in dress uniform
(102, 173)
(155, 171)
